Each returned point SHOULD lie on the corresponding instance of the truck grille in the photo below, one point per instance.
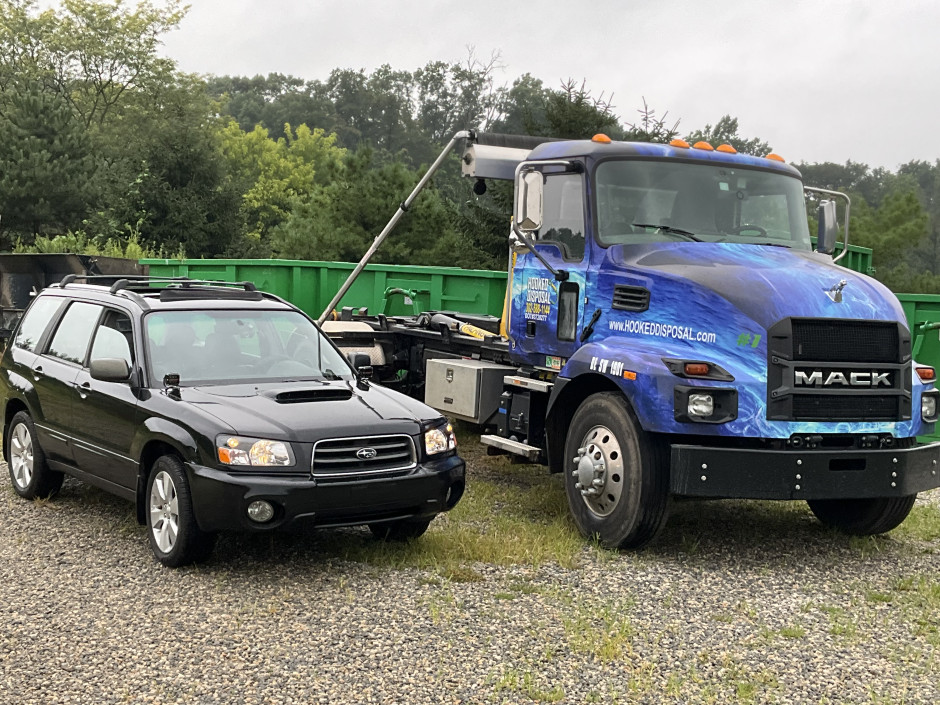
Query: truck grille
(824, 340)
(363, 455)
(807, 345)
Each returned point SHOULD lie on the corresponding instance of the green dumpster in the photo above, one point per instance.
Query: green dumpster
(382, 288)
(858, 259)
(923, 318)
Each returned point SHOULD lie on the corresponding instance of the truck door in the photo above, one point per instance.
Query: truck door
(546, 315)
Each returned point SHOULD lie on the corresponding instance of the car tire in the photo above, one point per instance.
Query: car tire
(616, 475)
(29, 472)
(175, 537)
(863, 517)
(402, 530)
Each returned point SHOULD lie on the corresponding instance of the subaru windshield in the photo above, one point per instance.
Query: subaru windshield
(640, 201)
(225, 346)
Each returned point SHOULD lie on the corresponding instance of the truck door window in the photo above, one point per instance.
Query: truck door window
(563, 215)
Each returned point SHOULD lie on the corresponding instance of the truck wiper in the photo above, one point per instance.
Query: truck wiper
(669, 229)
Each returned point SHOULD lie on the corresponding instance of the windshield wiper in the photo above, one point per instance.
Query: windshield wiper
(330, 375)
(669, 229)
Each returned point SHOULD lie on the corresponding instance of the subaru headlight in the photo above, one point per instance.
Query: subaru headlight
(254, 452)
(440, 440)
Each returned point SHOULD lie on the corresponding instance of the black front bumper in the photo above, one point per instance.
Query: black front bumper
(702, 471)
(221, 499)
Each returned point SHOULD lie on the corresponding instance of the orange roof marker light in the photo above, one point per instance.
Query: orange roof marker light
(703, 145)
(601, 137)
(775, 157)
(726, 148)
(679, 143)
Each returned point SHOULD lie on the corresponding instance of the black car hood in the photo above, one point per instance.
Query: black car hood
(309, 411)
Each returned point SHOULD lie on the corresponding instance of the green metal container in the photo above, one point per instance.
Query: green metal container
(382, 288)
(923, 318)
(858, 259)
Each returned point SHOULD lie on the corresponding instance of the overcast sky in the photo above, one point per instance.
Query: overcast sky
(820, 80)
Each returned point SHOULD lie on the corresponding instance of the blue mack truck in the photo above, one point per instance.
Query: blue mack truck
(669, 330)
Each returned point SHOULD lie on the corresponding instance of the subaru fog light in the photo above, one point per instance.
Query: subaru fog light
(260, 511)
(701, 405)
(928, 407)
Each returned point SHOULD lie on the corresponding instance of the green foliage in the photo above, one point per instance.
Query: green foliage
(45, 160)
(340, 219)
(273, 176)
(81, 244)
(725, 131)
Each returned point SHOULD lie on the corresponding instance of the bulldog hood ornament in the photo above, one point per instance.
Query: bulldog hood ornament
(834, 292)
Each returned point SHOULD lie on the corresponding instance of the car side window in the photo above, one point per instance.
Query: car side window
(113, 338)
(71, 338)
(563, 215)
(35, 320)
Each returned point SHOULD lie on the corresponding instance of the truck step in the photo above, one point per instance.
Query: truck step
(535, 385)
(531, 453)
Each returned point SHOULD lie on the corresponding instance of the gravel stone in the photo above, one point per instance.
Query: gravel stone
(734, 603)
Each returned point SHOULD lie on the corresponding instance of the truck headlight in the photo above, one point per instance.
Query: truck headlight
(254, 452)
(701, 405)
(928, 406)
(440, 440)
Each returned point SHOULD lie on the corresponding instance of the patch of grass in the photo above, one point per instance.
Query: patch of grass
(509, 521)
(922, 524)
(505, 596)
(604, 631)
(526, 683)
(875, 596)
(793, 632)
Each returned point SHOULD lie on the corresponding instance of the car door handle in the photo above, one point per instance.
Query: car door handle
(37, 372)
(83, 389)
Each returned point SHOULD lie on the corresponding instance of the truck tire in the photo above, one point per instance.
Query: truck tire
(616, 475)
(863, 517)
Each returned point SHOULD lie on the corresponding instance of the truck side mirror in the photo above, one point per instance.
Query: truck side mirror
(528, 215)
(109, 369)
(828, 232)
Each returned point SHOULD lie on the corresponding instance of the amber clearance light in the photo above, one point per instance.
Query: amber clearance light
(926, 374)
(696, 369)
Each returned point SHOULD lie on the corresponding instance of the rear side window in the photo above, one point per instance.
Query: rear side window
(35, 320)
(71, 338)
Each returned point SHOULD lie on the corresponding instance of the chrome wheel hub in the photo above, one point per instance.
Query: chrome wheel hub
(164, 512)
(21, 456)
(598, 470)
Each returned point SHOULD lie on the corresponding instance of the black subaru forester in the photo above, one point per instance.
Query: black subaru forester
(214, 407)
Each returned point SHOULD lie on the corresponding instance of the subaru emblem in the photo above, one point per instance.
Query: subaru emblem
(366, 453)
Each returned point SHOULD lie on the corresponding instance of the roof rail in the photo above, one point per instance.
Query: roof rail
(181, 282)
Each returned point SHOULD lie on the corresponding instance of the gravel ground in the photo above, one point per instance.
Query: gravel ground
(737, 602)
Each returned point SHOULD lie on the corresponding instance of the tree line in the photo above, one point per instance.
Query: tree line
(107, 146)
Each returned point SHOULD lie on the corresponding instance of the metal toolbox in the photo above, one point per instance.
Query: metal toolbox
(465, 389)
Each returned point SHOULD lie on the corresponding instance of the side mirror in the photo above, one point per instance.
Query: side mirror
(362, 363)
(828, 233)
(110, 369)
(528, 215)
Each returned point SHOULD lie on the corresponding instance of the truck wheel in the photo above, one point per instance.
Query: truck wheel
(863, 517)
(402, 530)
(29, 472)
(175, 538)
(616, 475)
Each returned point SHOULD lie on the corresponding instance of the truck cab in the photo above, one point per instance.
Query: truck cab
(670, 330)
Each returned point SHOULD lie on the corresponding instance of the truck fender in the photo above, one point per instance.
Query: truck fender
(595, 368)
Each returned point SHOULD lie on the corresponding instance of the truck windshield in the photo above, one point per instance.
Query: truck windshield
(641, 201)
(222, 347)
